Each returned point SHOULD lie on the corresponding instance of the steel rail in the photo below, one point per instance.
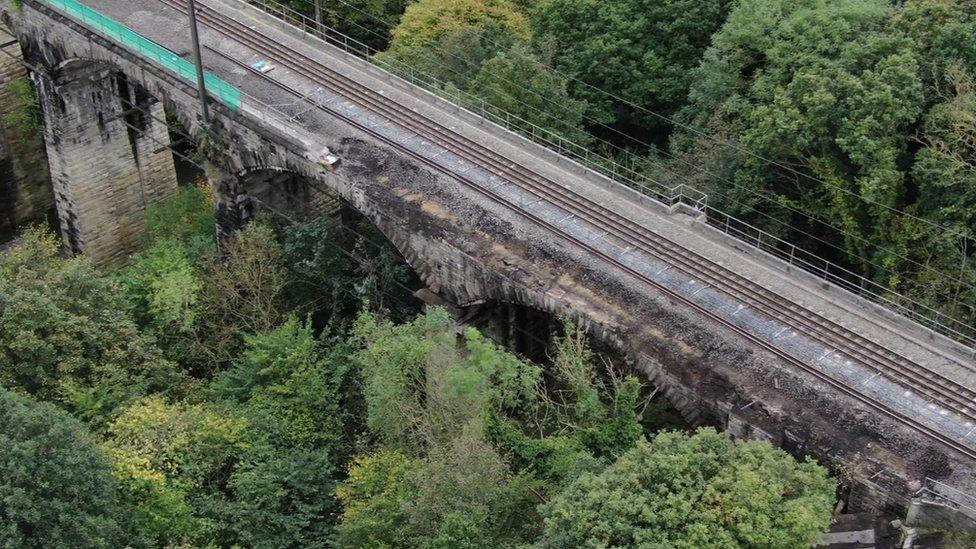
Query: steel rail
(953, 395)
(262, 44)
(624, 173)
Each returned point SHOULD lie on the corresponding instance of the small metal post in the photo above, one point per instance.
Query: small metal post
(318, 14)
(198, 61)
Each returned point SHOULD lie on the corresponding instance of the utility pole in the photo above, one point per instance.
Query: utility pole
(198, 61)
(318, 15)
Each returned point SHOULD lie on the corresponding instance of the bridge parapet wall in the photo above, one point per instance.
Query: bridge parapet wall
(469, 250)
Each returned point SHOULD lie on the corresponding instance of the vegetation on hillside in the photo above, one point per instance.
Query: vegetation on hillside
(264, 395)
(287, 391)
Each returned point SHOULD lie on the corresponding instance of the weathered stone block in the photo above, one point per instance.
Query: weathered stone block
(107, 144)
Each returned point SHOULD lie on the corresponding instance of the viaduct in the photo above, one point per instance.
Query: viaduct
(733, 336)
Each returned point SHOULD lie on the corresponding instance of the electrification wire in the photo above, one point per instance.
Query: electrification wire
(690, 128)
(855, 258)
(364, 263)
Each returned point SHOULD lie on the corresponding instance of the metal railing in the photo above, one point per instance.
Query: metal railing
(145, 47)
(940, 493)
(932, 490)
(626, 173)
(625, 169)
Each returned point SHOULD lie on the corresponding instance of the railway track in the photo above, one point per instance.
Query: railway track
(913, 377)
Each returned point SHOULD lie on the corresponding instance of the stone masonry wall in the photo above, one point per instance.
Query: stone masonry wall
(25, 185)
(469, 251)
(108, 158)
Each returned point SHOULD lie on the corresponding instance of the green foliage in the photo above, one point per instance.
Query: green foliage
(174, 462)
(488, 436)
(582, 416)
(336, 270)
(639, 50)
(295, 393)
(580, 403)
(324, 279)
(243, 294)
(164, 287)
(867, 97)
(421, 390)
(368, 21)
(66, 333)
(515, 83)
(428, 396)
(270, 358)
(372, 499)
(56, 488)
(195, 444)
(481, 48)
(24, 119)
(157, 507)
(295, 389)
(694, 491)
(165, 281)
(284, 499)
(433, 34)
(466, 496)
(187, 218)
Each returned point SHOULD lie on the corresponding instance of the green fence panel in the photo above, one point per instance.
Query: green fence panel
(134, 41)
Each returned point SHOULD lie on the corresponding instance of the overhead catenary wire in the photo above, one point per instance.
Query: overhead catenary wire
(335, 223)
(850, 391)
(855, 258)
(825, 272)
(688, 127)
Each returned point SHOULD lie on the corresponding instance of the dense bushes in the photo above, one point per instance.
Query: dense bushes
(285, 392)
(268, 429)
(56, 487)
(866, 110)
(694, 492)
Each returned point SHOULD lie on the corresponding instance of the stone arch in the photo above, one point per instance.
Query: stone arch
(297, 196)
(284, 192)
(107, 145)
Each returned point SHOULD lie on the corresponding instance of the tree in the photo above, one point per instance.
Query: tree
(642, 51)
(703, 490)
(194, 443)
(430, 398)
(471, 438)
(515, 82)
(323, 279)
(295, 390)
(372, 499)
(367, 21)
(283, 498)
(157, 507)
(855, 103)
(420, 390)
(336, 269)
(175, 462)
(66, 333)
(164, 287)
(56, 488)
(244, 294)
(466, 496)
(187, 218)
(434, 36)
